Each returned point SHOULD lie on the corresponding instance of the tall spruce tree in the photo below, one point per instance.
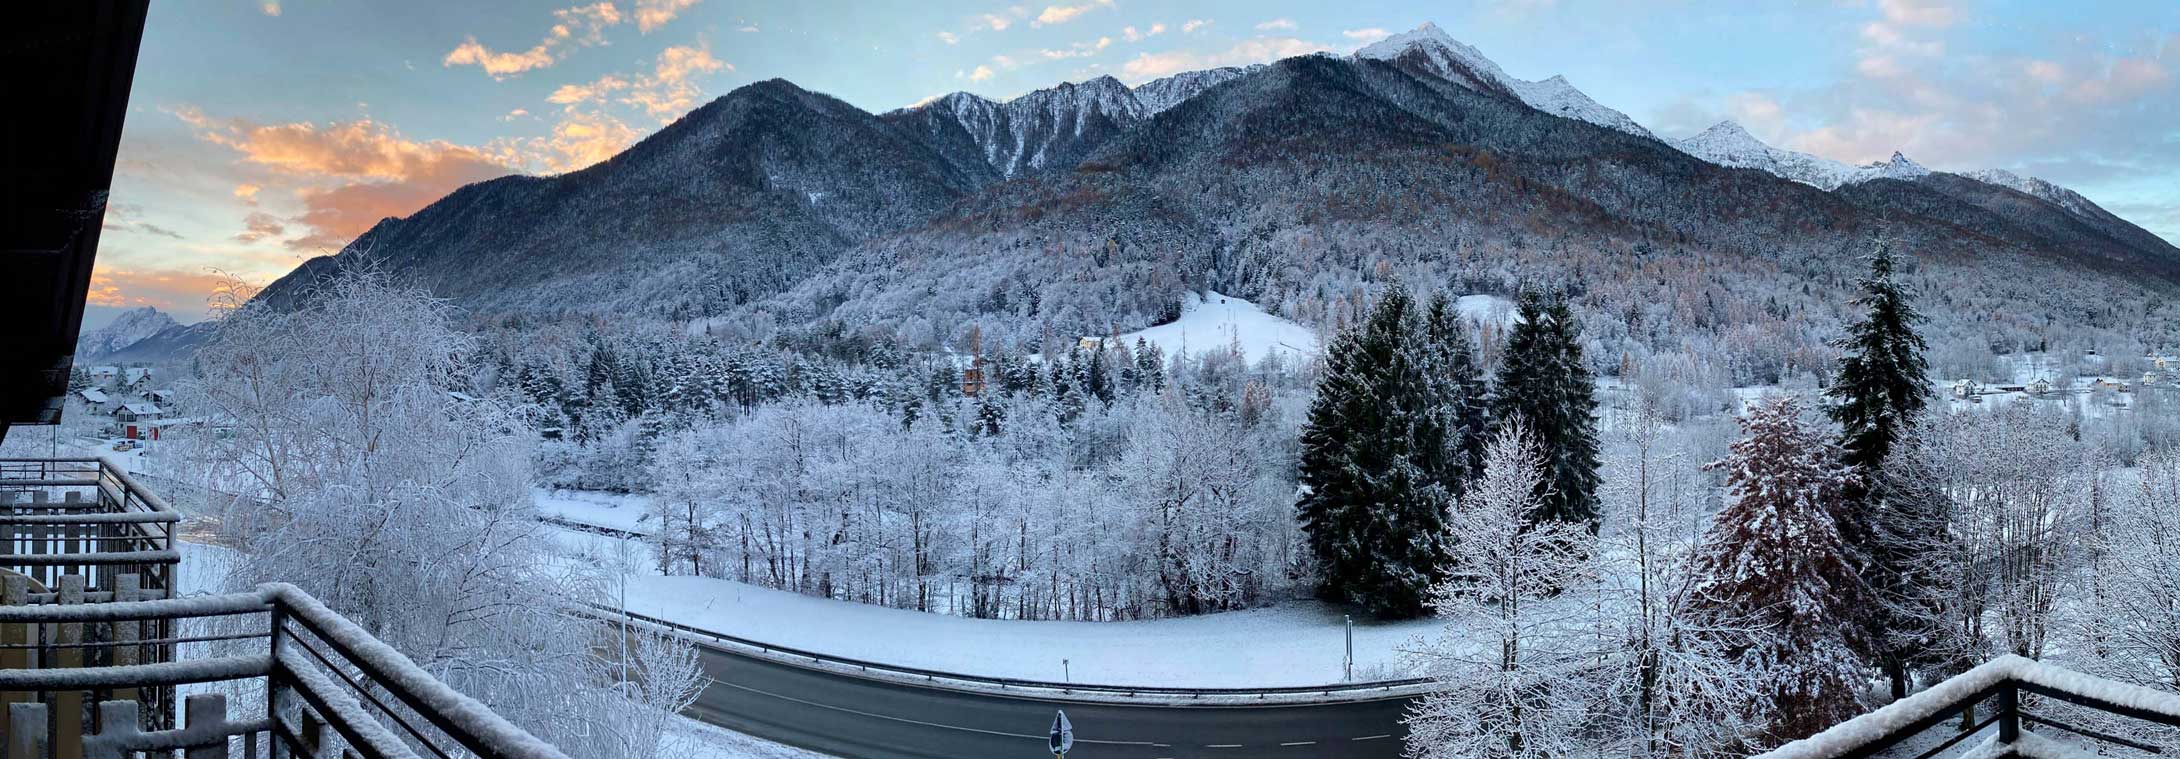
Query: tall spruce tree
(1880, 390)
(1455, 394)
(1882, 384)
(1775, 566)
(1373, 513)
(1544, 383)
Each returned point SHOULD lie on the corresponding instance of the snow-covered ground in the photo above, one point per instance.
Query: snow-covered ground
(1210, 321)
(1488, 309)
(615, 510)
(1294, 644)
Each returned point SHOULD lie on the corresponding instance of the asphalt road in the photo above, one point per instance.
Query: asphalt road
(853, 716)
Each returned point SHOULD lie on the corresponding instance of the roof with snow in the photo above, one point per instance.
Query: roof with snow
(141, 408)
(93, 395)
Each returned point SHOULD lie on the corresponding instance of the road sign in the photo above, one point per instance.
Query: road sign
(1063, 734)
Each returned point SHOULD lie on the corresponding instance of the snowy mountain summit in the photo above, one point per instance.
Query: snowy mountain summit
(1727, 144)
(129, 328)
(1429, 50)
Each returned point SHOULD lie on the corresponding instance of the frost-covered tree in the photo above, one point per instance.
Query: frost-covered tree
(1775, 562)
(1513, 662)
(1671, 680)
(1374, 508)
(1545, 385)
(369, 481)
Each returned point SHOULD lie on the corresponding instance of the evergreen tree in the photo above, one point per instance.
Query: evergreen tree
(1879, 392)
(1544, 384)
(1881, 386)
(1373, 515)
(1774, 563)
(1455, 394)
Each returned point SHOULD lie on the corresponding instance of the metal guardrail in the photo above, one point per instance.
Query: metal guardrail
(2000, 685)
(1333, 689)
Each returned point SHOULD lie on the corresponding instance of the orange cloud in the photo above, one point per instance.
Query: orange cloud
(583, 25)
(260, 225)
(652, 14)
(170, 290)
(351, 174)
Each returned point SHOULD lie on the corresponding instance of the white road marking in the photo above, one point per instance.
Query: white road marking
(1222, 745)
(1371, 737)
(1299, 743)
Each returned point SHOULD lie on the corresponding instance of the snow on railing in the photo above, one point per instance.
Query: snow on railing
(84, 517)
(2002, 679)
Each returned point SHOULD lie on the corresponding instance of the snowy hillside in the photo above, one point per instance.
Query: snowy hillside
(1211, 321)
(2064, 198)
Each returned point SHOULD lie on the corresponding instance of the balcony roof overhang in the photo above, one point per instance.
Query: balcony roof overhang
(68, 67)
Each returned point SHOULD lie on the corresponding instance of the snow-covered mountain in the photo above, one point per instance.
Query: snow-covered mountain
(1727, 144)
(1049, 127)
(2062, 197)
(129, 328)
(1427, 49)
(1158, 95)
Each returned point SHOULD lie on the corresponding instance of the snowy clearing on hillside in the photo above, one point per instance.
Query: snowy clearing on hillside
(1296, 644)
(615, 510)
(1211, 321)
(1488, 309)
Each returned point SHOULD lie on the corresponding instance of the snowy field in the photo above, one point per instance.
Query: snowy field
(615, 510)
(1295, 644)
(1211, 321)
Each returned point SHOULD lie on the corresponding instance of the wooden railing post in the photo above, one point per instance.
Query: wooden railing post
(2009, 713)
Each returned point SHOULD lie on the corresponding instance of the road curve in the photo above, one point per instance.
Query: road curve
(855, 715)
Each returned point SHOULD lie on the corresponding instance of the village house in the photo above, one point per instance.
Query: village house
(104, 374)
(94, 398)
(2040, 387)
(135, 378)
(134, 416)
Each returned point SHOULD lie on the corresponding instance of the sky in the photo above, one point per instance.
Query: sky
(262, 133)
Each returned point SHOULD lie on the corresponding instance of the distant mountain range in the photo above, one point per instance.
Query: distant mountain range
(139, 335)
(1096, 206)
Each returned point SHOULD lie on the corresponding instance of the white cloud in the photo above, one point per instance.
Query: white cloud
(1061, 14)
(1366, 36)
(949, 38)
(1190, 26)
(995, 22)
(981, 73)
(1277, 24)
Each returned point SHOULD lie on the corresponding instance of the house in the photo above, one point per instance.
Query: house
(104, 374)
(1967, 388)
(132, 417)
(2113, 385)
(137, 411)
(2040, 387)
(163, 397)
(135, 377)
(2152, 378)
(94, 397)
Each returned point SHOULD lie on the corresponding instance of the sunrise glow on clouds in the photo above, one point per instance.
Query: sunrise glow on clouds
(263, 133)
